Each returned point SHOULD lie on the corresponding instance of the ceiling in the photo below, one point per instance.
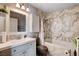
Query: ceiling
(48, 7)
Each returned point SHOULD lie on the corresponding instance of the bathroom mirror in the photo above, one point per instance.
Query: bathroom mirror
(17, 22)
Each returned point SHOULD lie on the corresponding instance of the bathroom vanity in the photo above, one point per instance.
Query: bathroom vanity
(22, 47)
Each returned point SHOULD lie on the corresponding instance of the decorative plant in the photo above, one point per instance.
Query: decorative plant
(3, 10)
(74, 41)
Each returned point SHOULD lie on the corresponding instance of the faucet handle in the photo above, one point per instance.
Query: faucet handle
(25, 36)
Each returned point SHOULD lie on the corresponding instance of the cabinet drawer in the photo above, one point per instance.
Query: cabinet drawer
(18, 54)
(18, 49)
(22, 53)
(31, 44)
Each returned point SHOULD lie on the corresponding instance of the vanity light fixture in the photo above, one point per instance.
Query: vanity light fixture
(27, 9)
(18, 5)
(23, 7)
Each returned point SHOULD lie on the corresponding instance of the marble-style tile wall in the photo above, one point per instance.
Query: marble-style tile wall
(62, 25)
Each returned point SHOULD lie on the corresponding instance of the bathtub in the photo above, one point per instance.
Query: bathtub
(59, 48)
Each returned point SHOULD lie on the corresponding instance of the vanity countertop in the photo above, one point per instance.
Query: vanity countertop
(15, 42)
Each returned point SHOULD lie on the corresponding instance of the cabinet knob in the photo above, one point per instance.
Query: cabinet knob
(30, 44)
(24, 52)
(14, 51)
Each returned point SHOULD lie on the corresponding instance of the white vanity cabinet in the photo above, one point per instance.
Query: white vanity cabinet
(27, 49)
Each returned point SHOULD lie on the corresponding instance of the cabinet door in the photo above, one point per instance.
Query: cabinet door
(31, 52)
(31, 49)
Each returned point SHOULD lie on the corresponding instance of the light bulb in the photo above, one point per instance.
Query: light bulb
(22, 7)
(27, 9)
(17, 5)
